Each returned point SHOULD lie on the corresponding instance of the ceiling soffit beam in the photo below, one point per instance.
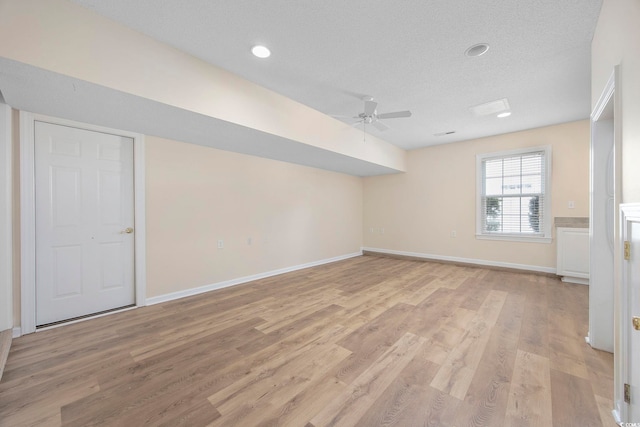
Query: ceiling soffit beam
(40, 91)
(69, 40)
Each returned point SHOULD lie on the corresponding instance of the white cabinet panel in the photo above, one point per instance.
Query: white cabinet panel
(573, 254)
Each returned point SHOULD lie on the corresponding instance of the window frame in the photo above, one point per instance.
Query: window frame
(545, 236)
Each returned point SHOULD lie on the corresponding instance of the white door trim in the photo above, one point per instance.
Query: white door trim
(629, 212)
(609, 95)
(6, 243)
(27, 212)
(601, 313)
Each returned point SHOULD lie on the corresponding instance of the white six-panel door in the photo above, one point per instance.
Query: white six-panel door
(630, 308)
(84, 222)
(634, 335)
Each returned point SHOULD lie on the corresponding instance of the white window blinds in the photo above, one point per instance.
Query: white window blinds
(513, 195)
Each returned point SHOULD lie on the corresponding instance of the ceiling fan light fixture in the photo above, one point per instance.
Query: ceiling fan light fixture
(477, 50)
(260, 51)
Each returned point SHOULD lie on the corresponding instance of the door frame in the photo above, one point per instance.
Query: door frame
(598, 316)
(629, 212)
(28, 214)
(611, 94)
(6, 220)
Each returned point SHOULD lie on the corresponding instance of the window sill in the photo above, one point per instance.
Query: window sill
(514, 238)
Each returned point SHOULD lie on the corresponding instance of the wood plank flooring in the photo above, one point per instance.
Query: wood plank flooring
(370, 341)
(5, 345)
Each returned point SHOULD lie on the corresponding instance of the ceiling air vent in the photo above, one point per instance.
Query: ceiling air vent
(491, 108)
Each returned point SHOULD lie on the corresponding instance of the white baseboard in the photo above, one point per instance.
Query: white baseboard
(16, 332)
(480, 262)
(575, 280)
(212, 287)
(616, 417)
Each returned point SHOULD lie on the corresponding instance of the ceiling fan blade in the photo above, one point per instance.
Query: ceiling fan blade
(370, 107)
(394, 115)
(380, 126)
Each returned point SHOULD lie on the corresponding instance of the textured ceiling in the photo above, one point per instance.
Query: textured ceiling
(407, 55)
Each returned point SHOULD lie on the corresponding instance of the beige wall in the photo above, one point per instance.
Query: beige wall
(419, 209)
(617, 41)
(62, 37)
(197, 195)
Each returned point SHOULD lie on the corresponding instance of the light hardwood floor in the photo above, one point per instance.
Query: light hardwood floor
(364, 342)
(5, 345)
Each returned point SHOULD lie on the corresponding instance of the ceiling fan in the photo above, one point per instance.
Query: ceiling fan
(370, 115)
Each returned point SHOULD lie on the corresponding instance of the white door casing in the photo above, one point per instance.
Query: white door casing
(6, 243)
(606, 304)
(84, 204)
(604, 198)
(630, 307)
(28, 215)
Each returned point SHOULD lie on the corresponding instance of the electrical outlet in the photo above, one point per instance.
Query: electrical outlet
(454, 233)
(220, 244)
(572, 204)
(249, 241)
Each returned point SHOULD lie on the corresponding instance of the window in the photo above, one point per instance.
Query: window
(514, 195)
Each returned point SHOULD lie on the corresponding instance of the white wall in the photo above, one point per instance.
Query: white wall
(6, 304)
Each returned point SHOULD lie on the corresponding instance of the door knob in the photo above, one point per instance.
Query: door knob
(636, 323)
(127, 230)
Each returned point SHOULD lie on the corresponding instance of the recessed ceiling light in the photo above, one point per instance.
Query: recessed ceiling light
(261, 51)
(477, 50)
(505, 114)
